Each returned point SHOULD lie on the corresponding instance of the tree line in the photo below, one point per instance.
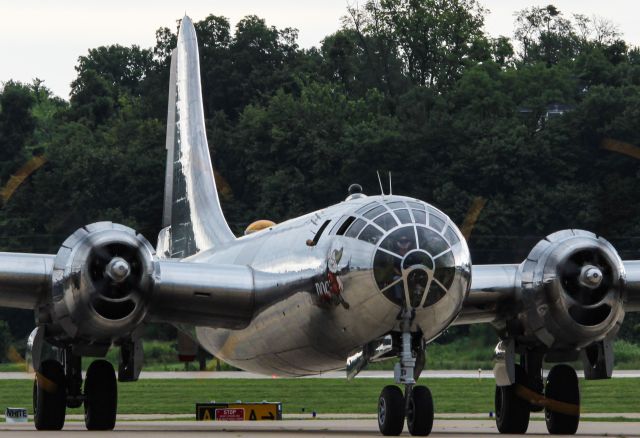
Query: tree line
(542, 127)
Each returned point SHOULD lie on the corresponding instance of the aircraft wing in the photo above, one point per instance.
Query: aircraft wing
(106, 279)
(566, 301)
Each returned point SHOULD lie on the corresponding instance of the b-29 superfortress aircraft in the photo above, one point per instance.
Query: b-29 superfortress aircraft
(368, 279)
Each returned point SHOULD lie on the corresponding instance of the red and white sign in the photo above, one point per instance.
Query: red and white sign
(230, 414)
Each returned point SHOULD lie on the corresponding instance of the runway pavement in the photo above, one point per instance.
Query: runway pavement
(328, 428)
(329, 425)
(428, 374)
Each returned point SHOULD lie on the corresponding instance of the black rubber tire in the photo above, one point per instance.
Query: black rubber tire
(562, 385)
(420, 412)
(391, 411)
(50, 396)
(101, 396)
(512, 412)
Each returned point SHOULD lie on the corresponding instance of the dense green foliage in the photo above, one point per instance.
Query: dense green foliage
(415, 88)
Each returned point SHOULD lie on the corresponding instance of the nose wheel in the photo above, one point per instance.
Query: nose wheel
(420, 411)
(416, 405)
(391, 411)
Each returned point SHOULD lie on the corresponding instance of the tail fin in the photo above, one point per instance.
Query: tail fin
(192, 216)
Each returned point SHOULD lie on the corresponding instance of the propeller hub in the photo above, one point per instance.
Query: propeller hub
(590, 276)
(118, 269)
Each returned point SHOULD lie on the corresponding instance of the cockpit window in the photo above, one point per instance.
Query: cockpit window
(386, 270)
(374, 212)
(396, 204)
(316, 238)
(415, 264)
(445, 269)
(417, 258)
(386, 221)
(429, 239)
(436, 218)
(404, 216)
(367, 207)
(415, 248)
(400, 242)
(420, 216)
(372, 221)
(451, 236)
(355, 228)
(345, 225)
(435, 222)
(371, 234)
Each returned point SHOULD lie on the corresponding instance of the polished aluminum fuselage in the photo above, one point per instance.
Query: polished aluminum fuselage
(304, 332)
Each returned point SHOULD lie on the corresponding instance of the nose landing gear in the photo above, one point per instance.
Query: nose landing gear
(417, 403)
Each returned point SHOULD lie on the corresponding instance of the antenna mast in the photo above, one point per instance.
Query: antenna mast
(380, 181)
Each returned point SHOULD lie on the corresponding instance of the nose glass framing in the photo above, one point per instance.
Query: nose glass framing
(421, 276)
(414, 261)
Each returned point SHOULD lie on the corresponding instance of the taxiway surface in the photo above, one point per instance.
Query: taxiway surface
(329, 428)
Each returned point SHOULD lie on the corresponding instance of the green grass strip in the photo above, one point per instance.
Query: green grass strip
(178, 396)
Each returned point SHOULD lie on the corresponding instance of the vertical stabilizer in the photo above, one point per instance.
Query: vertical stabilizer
(192, 208)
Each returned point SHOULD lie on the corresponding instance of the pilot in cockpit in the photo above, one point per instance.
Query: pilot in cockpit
(402, 246)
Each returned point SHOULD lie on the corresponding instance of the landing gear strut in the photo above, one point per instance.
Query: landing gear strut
(58, 386)
(416, 404)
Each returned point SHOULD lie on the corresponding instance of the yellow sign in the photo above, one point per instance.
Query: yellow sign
(229, 411)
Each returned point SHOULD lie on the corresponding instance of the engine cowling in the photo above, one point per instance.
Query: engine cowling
(571, 288)
(101, 283)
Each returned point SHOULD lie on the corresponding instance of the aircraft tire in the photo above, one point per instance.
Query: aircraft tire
(391, 411)
(101, 396)
(420, 412)
(562, 385)
(49, 396)
(512, 412)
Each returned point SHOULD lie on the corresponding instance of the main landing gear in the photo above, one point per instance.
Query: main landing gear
(561, 400)
(416, 404)
(58, 386)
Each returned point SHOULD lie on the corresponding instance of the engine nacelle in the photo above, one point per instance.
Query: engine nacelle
(571, 289)
(101, 283)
